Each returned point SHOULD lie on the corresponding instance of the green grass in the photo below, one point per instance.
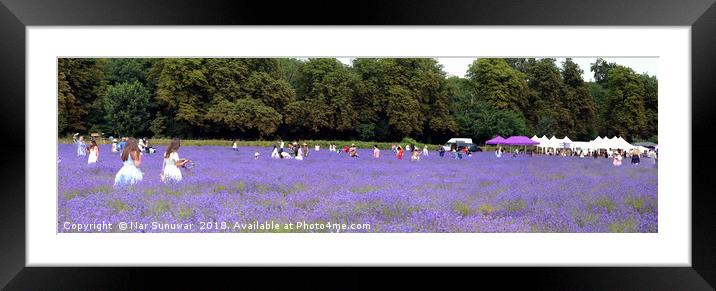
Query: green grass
(461, 208)
(639, 204)
(623, 226)
(365, 189)
(584, 219)
(486, 208)
(514, 205)
(185, 212)
(605, 202)
(118, 206)
(161, 207)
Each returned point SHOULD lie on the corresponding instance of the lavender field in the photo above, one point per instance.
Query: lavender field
(476, 194)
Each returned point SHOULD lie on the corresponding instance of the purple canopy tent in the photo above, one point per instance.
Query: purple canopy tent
(496, 140)
(519, 141)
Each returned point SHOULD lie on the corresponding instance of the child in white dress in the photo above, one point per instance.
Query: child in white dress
(80, 142)
(172, 162)
(115, 146)
(299, 156)
(93, 153)
(129, 174)
(274, 153)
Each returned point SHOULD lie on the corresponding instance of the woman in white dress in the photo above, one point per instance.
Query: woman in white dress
(299, 155)
(129, 174)
(172, 162)
(275, 154)
(93, 153)
(425, 150)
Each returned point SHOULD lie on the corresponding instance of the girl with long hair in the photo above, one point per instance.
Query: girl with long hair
(93, 152)
(129, 174)
(172, 162)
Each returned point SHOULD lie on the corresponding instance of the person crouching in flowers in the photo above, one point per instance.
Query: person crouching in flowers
(172, 162)
(93, 153)
(129, 174)
(415, 156)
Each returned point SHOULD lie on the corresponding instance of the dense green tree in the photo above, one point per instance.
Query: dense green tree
(182, 93)
(482, 122)
(578, 101)
(275, 93)
(626, 115)
(83, 79)
(419, 83)
(601, 68)
(289, 70)
(520, 64)
(599, 95)
(548, 97)
(121, 70)
(651, 106)
(328, 86)
(373, 99)
(499, 85)
(127, 108)
(248, 116)
(462, 94)
(69, 110)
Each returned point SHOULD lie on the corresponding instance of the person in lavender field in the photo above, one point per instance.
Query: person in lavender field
(635, 157)
(353, 151)
(617, 159)
(274, 153)
(115, 146)
(425, 150)
(93, 152)
(172, 162)
(80, 142)
(376, 151)
(129, 174)
(415, 155)
(299, 154)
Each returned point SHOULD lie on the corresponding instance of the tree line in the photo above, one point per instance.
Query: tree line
(374, 99)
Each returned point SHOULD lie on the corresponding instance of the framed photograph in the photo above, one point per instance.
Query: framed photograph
(468, 134)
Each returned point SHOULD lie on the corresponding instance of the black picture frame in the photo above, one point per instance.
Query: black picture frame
(15, 15)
